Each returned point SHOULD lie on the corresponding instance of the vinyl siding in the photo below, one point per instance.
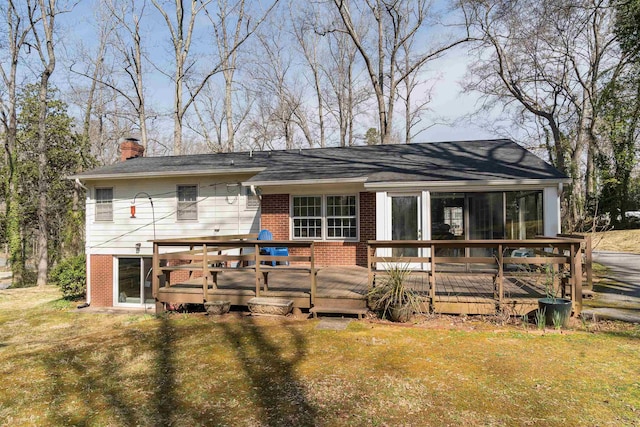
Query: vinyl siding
(222, 209)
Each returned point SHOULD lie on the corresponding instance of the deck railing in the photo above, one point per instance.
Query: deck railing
(202, 258)
(561, 255)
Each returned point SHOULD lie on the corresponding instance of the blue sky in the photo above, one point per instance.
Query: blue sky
(447, 108)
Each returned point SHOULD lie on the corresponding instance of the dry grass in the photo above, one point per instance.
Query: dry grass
(60, 367)
(617, 241)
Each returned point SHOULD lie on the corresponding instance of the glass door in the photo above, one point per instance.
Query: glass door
(405, 223)
(486, 219)
(133, 282)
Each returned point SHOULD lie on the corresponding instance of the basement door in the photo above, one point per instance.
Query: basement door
(132, 284)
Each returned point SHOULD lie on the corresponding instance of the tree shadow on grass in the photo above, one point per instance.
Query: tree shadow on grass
(128, 377)
(78, 390)
(90, 380)
(270, 364)
(165, 373)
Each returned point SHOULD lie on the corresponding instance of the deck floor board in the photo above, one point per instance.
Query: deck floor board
(351, 282)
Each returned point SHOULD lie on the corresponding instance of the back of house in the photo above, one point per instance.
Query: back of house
(340, 198)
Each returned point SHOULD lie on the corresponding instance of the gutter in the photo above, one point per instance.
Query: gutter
(305, 182)
(164, 174)
(463, 183)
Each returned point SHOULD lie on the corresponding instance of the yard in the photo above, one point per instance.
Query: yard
(62, 367)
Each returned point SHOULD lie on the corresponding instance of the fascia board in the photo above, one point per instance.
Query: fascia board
(167, 174)
(304, 182)
(464, 184)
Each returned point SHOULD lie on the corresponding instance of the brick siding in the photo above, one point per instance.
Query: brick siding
(275, 218)
(101, 280)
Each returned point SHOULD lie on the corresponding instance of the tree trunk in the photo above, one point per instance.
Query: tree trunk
(228, 108)
(48, 59)
(42, 233)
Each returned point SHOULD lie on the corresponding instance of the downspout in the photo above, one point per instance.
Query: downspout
(87, 246)
(88, 298)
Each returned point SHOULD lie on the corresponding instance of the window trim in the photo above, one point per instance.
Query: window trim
(327, 216)
(308, 217)
(324, 217)
(95, 216)
(178, 202)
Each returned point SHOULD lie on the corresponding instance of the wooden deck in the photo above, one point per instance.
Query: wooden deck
(236, 269)
(347, 287)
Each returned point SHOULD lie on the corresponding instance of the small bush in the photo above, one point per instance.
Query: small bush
(71, 276)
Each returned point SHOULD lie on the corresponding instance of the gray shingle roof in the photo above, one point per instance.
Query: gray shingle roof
(483, 160)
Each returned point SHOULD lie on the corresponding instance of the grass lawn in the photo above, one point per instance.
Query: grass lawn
(617, 241)
(61, 367)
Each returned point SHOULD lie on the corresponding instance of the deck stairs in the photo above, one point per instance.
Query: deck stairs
(338, 310)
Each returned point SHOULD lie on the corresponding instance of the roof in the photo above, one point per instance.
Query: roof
(456, 161)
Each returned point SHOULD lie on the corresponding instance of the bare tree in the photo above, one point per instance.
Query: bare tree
(345, 93)
(309, 42)
(396, 24)
(550, 58)
(181, 29)
(413, 109)
(279, 88)
(128, 16)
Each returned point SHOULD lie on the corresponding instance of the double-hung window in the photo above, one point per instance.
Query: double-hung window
(104, 204)
(331, 217)
(307, 217)
(341, 217)
(187, 202)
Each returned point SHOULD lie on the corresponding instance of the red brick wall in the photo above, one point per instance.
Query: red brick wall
(274, 215)
(101, 280)
(275, 218)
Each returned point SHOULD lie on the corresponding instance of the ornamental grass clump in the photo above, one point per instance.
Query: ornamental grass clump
(392, 297)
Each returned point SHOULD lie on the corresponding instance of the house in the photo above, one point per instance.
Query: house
(339, 197)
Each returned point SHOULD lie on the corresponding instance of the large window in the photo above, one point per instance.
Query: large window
(187, 202)
(447, 216)
(325, 217)
(307, 216)
(341, 217)
(490, 215)
(104, 204)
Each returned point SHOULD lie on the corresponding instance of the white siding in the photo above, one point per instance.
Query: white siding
(222, 209)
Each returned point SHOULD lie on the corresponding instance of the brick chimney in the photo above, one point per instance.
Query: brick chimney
(130, 149)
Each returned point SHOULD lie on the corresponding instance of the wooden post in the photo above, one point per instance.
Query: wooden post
(155, 277)
(257, 264)
(313, 274)
(577, 288)
(588, 259)
(369, 266)
(432, 277)
(499, 277)
(205, 273)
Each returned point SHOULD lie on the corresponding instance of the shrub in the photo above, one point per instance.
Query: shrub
(71, 276)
